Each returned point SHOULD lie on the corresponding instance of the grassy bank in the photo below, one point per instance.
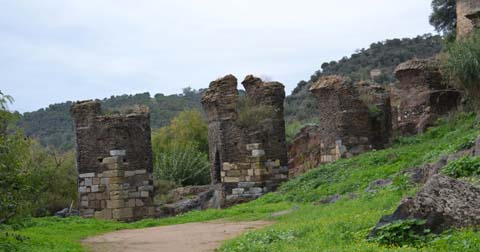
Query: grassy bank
(341, 226)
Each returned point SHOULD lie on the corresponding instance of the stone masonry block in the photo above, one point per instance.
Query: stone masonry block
(114, 153)
(112, 174)
(230, 179)
(105, 214)
(122, 214)
(253, 146)
(258, 153)
(115, 203)
(87, 175)
(112, 160)
(237, 191)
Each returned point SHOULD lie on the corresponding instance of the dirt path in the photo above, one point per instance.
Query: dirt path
(191, 237)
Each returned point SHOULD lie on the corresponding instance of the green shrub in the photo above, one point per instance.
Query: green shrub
(463, 167)
(187, 129)
(400, 233)
(33, 180)
(184, 165)
(462, 64)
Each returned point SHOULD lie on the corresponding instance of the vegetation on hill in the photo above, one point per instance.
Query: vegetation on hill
(53, 126)
(311, 226)
(385, 56)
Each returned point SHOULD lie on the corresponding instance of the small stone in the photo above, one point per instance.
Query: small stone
(86, 175)
(88, 181)
(82, 189)
(112, 160)
(118, 153)
(256, 190)
(237, 191)
(246, 184)
(254, 146)
(258, 153)
(95, 188)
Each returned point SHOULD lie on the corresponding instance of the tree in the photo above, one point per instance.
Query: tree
(180, 150)
(444, 16)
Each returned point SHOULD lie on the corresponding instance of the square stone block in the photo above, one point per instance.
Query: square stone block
(253, 146)
(115, 203)
(113, 173)
(230, 179)
(122, 214)
(237, 191)
(118, 153)
(105, 214)
(111, 160)
(86, 175)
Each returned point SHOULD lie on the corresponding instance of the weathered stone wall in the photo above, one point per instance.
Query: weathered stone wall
(114, 161)
(467, 17)
(353, 119)
(246, 161)
(420, 96)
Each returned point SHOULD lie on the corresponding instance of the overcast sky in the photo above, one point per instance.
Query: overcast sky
(57, 50)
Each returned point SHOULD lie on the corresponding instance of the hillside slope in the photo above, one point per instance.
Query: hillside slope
(309, 225)
(383, 56)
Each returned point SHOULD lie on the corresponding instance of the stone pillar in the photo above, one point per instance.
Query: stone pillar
(247, 161)
(114, 162)
(421, 95)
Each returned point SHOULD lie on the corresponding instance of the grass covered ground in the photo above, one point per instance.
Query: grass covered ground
(342, 226)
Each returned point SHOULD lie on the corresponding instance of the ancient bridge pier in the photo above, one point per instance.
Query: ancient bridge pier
(114, 161)
(248, 157)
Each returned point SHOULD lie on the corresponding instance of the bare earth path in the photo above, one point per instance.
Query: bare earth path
(191, 237)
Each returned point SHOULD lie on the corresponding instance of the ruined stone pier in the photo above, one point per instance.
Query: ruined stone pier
(248, 152)
(114, 161)
(353, 118)
(421, 96)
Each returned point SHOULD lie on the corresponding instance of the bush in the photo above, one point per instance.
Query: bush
(463, 167)
(183, 165)
(462, 64)
(32, 178)
(180, 150)
(400, 233)
(187, 129)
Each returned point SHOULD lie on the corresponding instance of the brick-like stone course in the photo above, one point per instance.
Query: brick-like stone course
(114, 161)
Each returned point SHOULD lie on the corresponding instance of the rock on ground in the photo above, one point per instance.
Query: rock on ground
(443, 202)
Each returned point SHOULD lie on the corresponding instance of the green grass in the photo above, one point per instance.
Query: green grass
(342, 226)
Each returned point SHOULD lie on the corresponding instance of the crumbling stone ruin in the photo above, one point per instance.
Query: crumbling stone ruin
(114, 161)
(353, 119)
(248, 152)
(468, 17)
(420, 96)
